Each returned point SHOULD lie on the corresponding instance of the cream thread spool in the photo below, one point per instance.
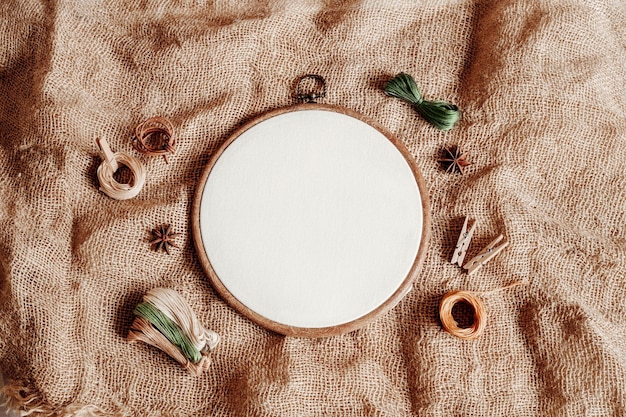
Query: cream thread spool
(110, 164)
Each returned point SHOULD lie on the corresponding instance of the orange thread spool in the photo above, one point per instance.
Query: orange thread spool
(480, 312)
(449, 323)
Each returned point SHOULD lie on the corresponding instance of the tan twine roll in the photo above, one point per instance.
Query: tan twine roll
(472, 298)
(151, 128)
(114, 189)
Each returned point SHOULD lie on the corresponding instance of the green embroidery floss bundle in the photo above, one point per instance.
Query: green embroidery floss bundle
(166, 321)
(441, 114)
(169, 329)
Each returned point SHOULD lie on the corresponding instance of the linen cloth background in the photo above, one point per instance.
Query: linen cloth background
(542, 88)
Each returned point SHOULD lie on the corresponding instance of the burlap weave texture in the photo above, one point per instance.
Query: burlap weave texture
(542, 89)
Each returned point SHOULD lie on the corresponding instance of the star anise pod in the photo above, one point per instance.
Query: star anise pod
(164, 238)
(454, 160)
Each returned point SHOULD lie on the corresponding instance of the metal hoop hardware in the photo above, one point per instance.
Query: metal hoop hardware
(316, 86)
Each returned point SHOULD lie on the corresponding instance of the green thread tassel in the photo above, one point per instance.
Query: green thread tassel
(443, 115)
(169, 329)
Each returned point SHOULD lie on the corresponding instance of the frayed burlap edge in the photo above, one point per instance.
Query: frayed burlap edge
(20, 397)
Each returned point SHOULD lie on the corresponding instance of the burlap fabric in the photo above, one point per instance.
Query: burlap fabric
(542, 89)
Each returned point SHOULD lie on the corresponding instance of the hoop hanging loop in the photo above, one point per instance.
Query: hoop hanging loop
(310, 87)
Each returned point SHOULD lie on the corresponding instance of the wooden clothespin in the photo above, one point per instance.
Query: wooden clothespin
(485, 255)
(108, 153)
(463, 243)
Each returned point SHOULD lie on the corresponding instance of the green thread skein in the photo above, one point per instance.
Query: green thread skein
(169, 329)
(443, 115)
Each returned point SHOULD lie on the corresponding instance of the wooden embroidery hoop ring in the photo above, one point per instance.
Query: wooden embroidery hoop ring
(289, 330)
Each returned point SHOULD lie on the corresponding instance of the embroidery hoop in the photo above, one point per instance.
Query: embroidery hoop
(213, 198)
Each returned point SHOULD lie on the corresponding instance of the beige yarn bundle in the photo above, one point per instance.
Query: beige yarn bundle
(165, 320)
